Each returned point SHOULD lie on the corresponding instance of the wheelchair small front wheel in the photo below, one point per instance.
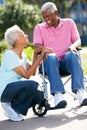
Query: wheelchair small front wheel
(40, 109)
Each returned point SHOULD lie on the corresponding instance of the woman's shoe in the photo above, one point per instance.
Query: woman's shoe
(10, 113)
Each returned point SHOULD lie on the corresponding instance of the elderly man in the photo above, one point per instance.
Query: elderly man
(60, 35)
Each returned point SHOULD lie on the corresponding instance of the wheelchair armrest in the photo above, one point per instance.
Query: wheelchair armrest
(79, 48)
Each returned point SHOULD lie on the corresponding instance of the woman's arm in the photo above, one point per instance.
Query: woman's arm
(26, 73)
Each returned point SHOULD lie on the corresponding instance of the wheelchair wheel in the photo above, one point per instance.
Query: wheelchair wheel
(40, 109)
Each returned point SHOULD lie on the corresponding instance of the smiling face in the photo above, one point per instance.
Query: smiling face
(22, 38)
(51, 18)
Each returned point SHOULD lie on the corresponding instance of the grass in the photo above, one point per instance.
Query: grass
(84, 61)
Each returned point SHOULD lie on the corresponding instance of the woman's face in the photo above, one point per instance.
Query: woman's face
(49, 17)
(23, 38)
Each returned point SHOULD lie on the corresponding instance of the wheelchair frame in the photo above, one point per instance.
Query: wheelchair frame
(42, 108)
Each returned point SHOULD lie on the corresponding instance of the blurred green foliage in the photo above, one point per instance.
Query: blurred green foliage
(29, 52)
(3, 47)
(20, 13)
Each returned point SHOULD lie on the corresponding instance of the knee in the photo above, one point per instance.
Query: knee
(73, 56)
(35, 85)
(52, 58)
(51, 55)
(31, 85)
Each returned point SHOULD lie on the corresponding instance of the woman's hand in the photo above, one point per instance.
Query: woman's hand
(28, 66)
(37, 52)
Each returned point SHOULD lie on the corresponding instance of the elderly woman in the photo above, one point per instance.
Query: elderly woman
(18, 95)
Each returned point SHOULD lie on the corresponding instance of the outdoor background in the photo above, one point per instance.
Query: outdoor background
(27, 13)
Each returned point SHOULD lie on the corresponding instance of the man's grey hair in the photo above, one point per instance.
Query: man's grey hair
(11, 34)
(49, 5)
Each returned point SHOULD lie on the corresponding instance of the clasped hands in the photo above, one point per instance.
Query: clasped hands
(43, 51)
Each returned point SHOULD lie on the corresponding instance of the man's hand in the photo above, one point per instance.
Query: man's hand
(49, 50)
(72, 48)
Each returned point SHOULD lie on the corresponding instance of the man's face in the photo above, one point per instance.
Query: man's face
(49, 17)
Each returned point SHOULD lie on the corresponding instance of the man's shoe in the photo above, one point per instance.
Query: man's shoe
(59, 101)
(82, 97)
(10, 113)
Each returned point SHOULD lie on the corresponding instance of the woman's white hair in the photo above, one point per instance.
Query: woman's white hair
(11, 34)
(49, 5)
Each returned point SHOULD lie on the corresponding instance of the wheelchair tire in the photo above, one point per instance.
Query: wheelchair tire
(40, 109)
(39, 112)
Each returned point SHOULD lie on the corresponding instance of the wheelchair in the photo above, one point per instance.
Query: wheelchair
(42, 108)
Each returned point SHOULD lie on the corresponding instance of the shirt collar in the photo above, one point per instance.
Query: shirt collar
(60, 23)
